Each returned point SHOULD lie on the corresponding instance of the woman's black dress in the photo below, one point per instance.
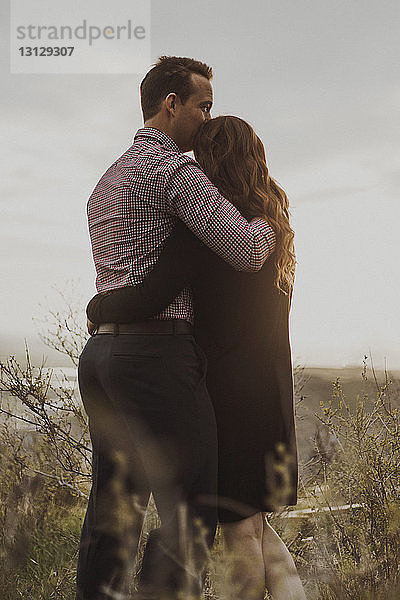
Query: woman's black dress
(241, 323)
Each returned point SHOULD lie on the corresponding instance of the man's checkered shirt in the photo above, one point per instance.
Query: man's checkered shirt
(136, 203)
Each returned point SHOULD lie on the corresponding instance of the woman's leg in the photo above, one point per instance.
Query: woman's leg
(243, 541)
(282, 579)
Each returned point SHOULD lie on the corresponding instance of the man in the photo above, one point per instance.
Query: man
(143, 385)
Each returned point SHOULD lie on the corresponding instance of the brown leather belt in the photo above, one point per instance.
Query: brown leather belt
(169, 327)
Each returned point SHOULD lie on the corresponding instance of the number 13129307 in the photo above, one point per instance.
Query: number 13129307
(46, 50)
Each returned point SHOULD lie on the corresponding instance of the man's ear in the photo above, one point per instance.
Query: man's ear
(170, 102)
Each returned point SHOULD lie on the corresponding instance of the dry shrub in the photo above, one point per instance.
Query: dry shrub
(348, 546)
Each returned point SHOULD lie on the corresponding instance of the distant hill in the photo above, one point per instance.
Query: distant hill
(318, 387)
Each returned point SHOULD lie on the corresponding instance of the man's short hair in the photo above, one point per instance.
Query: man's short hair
(169, 74)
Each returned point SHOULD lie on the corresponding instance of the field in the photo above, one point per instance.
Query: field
(344, 533)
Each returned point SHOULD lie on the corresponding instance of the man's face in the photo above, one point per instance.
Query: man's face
(189, 116)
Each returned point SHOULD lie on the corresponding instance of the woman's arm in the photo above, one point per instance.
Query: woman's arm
(171, 273)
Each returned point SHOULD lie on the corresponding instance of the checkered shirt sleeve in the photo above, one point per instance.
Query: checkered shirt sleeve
(192, 197)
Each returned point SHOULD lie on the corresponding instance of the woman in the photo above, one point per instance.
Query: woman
(241, 322)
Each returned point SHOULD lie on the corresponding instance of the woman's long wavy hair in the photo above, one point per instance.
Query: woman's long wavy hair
(233, 158)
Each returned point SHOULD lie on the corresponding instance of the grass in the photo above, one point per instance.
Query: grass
(354, 459)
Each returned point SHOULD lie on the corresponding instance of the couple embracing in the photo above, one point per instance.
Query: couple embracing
(187, 377)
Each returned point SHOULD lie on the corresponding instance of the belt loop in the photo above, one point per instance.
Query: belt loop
(116, 330)
(174, 327)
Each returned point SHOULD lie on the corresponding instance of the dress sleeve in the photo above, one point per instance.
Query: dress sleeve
(171, 273)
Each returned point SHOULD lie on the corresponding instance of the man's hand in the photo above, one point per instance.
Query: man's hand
(91, 327)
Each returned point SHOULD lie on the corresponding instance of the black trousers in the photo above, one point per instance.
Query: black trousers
(152, 427)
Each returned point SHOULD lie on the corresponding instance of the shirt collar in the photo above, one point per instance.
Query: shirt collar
(151, 133)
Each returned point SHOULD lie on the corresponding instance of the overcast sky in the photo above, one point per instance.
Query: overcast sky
(319, 81)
